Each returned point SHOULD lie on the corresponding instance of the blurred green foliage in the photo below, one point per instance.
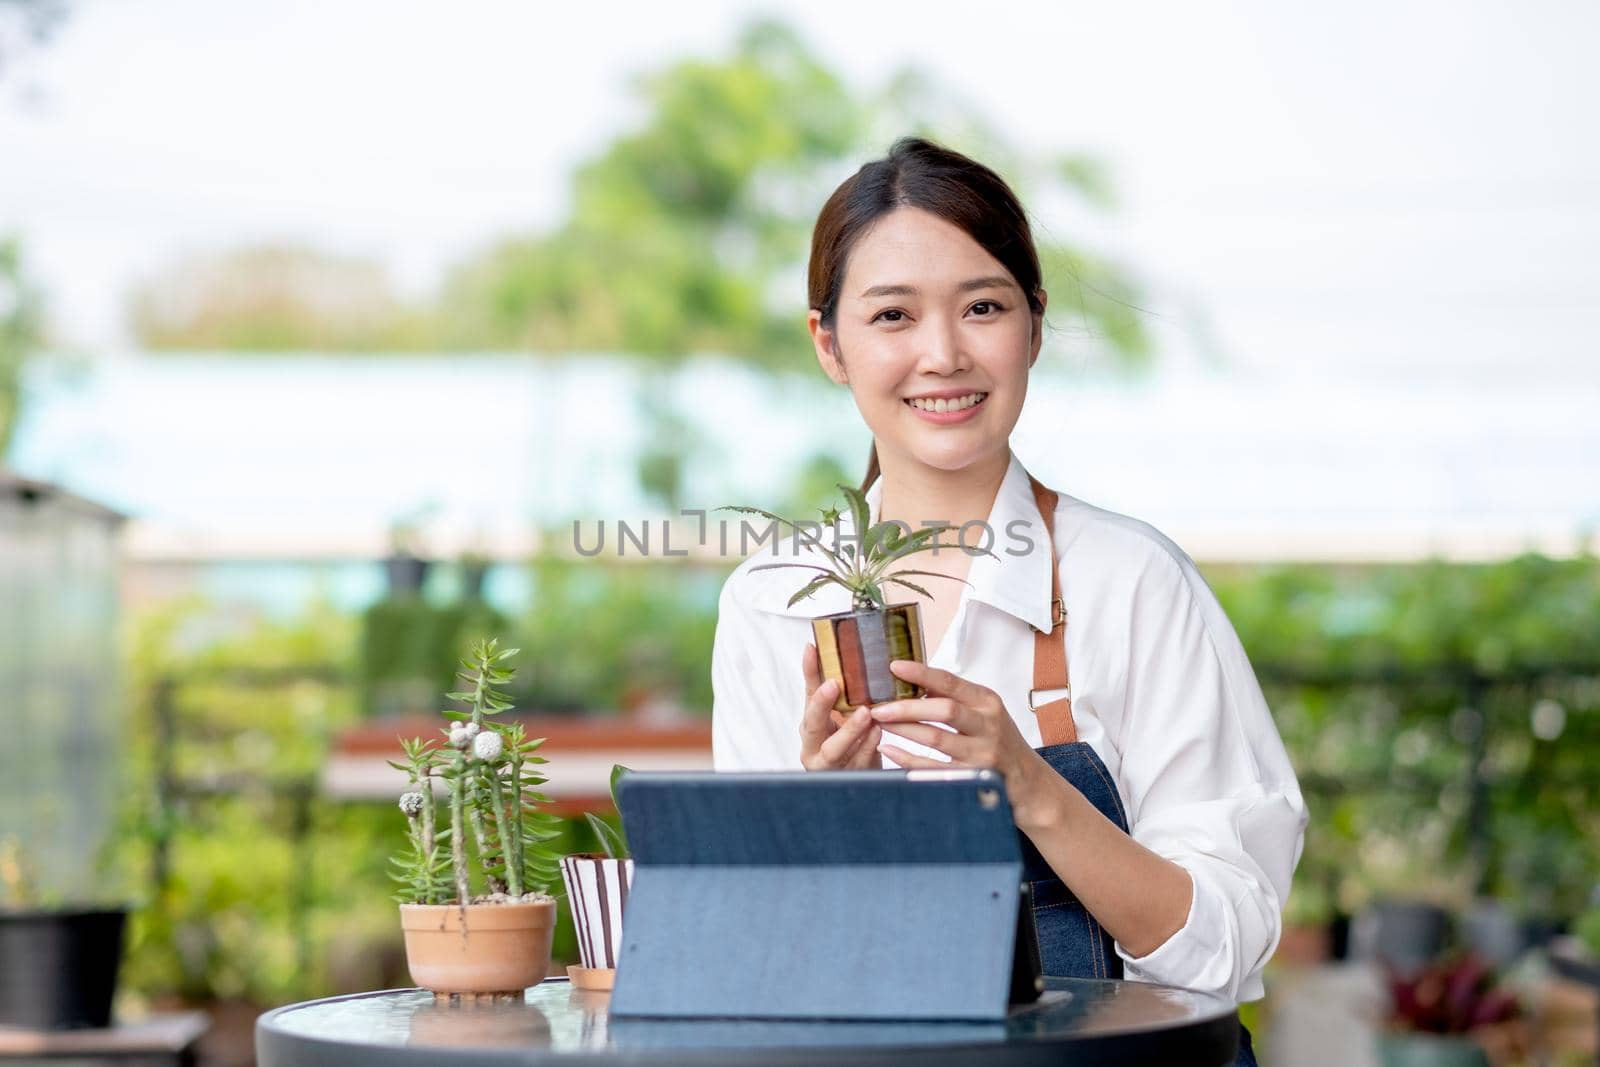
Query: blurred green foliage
(617, 634)
(410, 649)
(1587, 929)
(274, 298)
(1445, 723)
(248, 883)
(228, 737)
(21, 332)
(1380, 679)
(686, 234)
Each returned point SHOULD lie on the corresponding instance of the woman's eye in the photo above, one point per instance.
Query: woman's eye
(990, 305)
(896, 312)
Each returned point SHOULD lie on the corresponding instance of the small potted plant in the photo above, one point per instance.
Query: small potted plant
(58, 962)
(856, 646)
(597, 891)
(1446, 1014)
(495, 941)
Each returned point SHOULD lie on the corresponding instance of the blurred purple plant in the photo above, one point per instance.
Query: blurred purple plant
(1451, 996)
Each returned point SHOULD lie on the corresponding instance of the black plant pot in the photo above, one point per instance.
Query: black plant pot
(407, 573)
(58, 969)
(472, 578)
(1339, 937)
(1404, 935)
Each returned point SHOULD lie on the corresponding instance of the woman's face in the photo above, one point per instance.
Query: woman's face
(924, 313)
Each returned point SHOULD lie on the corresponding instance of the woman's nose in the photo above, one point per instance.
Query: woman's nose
(942, 350)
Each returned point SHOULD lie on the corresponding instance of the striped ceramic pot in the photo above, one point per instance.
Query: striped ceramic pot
(855, 648)
(597, 892)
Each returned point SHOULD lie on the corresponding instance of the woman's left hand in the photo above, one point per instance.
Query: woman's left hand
(984, 735)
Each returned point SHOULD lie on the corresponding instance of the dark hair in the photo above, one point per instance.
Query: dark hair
(918, 173)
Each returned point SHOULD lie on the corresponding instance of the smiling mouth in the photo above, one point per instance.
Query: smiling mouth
(958, 403)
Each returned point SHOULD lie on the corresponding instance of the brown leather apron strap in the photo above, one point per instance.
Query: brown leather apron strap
(1050, 647)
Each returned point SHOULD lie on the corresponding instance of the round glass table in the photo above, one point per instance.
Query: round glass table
(1076, 1020)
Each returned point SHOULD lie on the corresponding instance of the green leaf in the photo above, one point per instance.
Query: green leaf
(887, 534)
(916, 543)
(811, 587)
(804, 566)
(809, 539)
(860, 513)
(927, 574)
(610, 840)
(911, 585)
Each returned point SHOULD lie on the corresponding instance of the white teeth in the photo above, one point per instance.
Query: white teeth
(959, 403)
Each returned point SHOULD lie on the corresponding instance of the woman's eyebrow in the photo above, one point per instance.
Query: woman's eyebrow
(993, 281)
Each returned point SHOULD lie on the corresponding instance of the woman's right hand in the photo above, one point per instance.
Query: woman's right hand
(829, 742)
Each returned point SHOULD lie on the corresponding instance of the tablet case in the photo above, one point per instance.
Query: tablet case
(823, 895)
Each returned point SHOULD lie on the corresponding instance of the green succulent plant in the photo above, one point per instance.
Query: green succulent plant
(489, 774)
(861, 562)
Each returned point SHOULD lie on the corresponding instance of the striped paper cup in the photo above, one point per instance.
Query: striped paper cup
(597, 892)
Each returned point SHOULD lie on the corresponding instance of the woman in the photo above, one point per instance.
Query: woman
(1160, 818)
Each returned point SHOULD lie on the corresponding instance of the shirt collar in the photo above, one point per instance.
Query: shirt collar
(1016, 579)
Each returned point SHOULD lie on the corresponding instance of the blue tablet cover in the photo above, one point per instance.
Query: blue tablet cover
(821, 895)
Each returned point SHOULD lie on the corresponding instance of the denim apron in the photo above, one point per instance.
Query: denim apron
(1072, 943)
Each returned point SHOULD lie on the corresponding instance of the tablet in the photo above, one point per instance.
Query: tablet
(830, 894)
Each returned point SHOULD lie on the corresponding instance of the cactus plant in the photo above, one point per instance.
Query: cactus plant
(488, 771)
(488, 774)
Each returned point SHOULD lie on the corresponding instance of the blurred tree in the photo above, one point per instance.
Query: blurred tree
(21, 333)
(687, 235)
(270, 298)
(671, 440)
(690, 234)
(25, 24)
(677, 231)
(816, 483)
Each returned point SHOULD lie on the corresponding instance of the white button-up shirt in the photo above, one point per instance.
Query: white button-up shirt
(1161, 688)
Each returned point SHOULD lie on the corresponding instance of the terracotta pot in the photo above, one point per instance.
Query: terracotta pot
(855, 648)
(505, 948)
(597, 892)
(1303, 944)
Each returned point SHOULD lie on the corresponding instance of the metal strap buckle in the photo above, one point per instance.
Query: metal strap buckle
(1066, 694)
(1058, 616)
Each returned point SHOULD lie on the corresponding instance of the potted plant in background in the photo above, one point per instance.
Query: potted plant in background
(856, 646)
(58, 963)
(405, 565)
(1566, 1018)
(495, 941)
(1449, 1013)
(597, 892)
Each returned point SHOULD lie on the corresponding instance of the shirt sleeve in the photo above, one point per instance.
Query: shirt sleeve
(1207, 782)
(749, 706)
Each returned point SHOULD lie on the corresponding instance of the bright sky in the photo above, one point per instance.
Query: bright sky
(1381, 188)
